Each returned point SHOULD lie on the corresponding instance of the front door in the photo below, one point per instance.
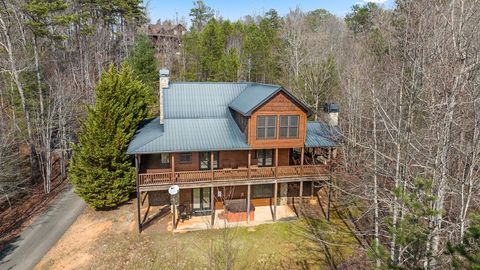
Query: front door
(201, 200)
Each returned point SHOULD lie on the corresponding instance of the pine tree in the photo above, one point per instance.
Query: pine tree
(101, 171)
(144, 64)
(200, 14)
(466, 255)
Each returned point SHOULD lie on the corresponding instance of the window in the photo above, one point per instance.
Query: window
(262, 191)
(266, 127)
(165, 158)
(289, 126)
(205, 160)
(185, 158)
(264, 157)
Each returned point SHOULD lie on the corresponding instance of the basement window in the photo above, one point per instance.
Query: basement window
(262, 191)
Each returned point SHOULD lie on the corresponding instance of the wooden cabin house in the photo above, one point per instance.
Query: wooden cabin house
(225, 143)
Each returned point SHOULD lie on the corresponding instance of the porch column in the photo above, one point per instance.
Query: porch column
(276, 162)
(211, 163)
(275, 201)
(249, 163)
(302, 150)
(137, 165)
(248, 203)
(172, 162)
(301, 189)
(212, 205)
(174, 216)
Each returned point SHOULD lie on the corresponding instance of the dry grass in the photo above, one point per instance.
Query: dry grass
(107, 240)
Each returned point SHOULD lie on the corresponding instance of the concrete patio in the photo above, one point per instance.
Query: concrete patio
(263, 214)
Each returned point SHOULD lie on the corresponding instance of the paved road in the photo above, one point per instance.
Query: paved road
(27, 250)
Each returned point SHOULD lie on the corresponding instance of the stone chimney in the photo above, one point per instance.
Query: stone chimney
(164, 83)
(330, 114)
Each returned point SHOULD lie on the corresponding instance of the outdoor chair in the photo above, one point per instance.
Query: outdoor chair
(184, 212)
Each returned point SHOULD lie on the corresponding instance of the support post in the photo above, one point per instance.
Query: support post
(172, 162)
(249, 163)
(276, 162)
(174, 216)
(137, 165)
(248, 203)
(302, 150)
(275, 201)
(212, 205)
(211, 163)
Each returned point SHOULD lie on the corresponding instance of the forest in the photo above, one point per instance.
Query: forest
(406, 79)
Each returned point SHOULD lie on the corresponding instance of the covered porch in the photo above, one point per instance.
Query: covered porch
(164, 169)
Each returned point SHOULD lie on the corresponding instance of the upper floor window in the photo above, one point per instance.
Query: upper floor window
(289, 126)
(185, 158)
(205, 160)
(266, 127)
(264, 157)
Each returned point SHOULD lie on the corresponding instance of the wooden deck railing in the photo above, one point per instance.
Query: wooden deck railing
(155, 178)
(163, 178)
(192, 176)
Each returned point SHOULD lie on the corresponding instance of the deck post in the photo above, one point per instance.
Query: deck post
(275, 201)
(249, 163)
(212, 205)
(248, 203)
(172, 162)
(138, 194)
(302, 160)
(276, 162)
(211, 163)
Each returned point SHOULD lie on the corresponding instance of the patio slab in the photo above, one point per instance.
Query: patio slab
(263, 214)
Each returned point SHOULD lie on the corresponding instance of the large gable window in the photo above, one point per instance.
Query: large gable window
(266, 127)
(289, 126)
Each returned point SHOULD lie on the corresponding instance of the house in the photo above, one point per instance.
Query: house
(167, 40)
(238, 145)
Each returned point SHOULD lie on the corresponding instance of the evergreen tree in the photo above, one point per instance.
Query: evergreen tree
(361, 18)
(413, 229)
(200, 14)
(467, 254)
(144, 64)
(213, 44)
(101, 171)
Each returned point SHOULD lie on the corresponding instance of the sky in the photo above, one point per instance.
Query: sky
(236, 9)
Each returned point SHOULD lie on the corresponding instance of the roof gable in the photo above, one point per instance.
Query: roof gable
(255, 95)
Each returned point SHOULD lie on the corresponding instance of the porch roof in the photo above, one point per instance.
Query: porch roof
(320, 134)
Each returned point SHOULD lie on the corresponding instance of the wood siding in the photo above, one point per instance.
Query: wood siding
(241, 121)
(278, 105)
(228, 159)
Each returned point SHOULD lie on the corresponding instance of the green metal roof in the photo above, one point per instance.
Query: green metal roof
(198, 118)
(256, 94)
(187, 135)
(320, 134)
